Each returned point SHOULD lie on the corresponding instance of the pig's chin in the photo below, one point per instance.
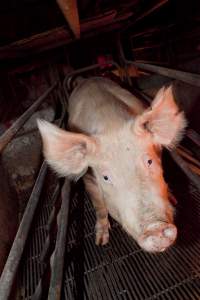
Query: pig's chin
(158, 237)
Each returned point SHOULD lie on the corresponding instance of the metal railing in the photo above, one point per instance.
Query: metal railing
(187, 77)
(11, 132)
(10, 269)
(55, 284)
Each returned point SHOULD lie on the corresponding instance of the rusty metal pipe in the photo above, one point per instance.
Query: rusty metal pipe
(190, 78)
(11, 132)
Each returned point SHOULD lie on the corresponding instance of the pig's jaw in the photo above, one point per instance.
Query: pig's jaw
(158, 237)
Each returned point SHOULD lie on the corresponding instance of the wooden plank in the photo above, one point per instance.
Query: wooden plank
(61, 36)
(145, 14)
(69, 9)
(151, 10)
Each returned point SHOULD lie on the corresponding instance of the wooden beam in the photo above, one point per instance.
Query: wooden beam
(145, 14)
(151, 31)
(69, 9)
(151, 10)
(146, 47)
(61, 36)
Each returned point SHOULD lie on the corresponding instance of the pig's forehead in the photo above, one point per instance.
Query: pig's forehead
(124, 141)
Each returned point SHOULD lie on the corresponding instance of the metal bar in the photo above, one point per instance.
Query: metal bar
(58, 255)
(147, 98)
(194, 136)
(183, 165)
(83, 70)
(11, 132)
(10, 268)
(152, 62)
(191, 78)
(69, 9)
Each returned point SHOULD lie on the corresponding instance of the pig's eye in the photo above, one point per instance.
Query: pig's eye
(148, 161)
(107, 179)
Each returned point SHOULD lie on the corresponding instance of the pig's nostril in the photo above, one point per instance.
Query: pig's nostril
(158, 237)
(169, 232)
(162, 249)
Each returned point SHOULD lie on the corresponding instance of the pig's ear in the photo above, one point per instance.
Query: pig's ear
(69, 154)
(164, 122)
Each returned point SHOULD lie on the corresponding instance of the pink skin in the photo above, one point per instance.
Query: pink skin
(158, 237)
(121, 143)
(141, 203)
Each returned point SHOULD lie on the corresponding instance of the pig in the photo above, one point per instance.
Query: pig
(116, 145)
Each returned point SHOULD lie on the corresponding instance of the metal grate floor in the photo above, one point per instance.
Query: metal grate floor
(32, 265)
(121, 270)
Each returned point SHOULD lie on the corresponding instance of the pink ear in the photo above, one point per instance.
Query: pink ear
(164, 122)
(67, 153)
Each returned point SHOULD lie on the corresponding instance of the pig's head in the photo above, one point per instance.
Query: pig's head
(127, 166)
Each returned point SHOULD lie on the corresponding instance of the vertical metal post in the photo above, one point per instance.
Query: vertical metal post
(58, 255)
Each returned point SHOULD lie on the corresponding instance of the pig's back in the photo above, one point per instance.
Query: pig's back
(98, 104)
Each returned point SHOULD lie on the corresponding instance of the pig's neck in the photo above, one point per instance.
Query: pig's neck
(99, 104)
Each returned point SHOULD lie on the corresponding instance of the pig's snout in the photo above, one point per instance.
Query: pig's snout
(158, 237)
